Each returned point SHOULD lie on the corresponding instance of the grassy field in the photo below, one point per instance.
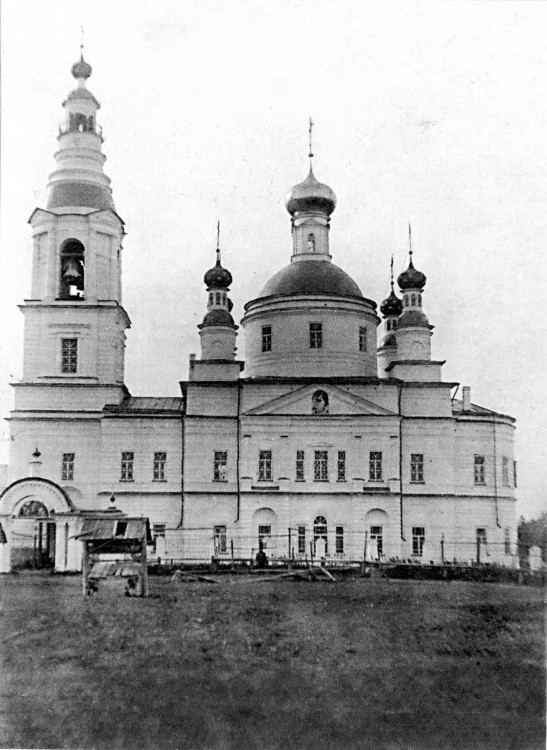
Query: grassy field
(361, 663)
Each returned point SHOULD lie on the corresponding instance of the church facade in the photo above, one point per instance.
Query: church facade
(321, 444)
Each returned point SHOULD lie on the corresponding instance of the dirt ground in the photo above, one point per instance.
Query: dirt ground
(361, 663)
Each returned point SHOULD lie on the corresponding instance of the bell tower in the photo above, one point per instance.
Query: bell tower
(74, 320)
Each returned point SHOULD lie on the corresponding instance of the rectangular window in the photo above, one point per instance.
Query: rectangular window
(67, 470)
(362, 338)
(266, 338)
(321, 466)
(316, 335)
(341, 467)
(479, 470)
(158, 529)
(127, 466)
(220, 539)
(301, 540)
(418, 539)
(505, 471)
(264, 466)
(300, 466)
(481, 537)
(514, 473)
(375, 466)
(69, 356)
(339, 540)
(507, 542)
(160, 459)
(220, 466)
(417, 467)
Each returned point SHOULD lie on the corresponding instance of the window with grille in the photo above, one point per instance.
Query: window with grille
(266, 338)
(300, 466)
(321, 466)
(316, 335)
(505, 471)
(479, 470)
(417, 467)
(264, 466)
(69, 356)
(362, 338)
(301, 540)
(128, 458)
(375, 466)
(220, 466)
(67, 469)
(339, 540)
(418, 539)
(341, 467)
(158, 529)
(507, 542)
(514, 473)
(160, 459)
(220, 539)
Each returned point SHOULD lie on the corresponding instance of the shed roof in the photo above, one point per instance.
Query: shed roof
(114, 528)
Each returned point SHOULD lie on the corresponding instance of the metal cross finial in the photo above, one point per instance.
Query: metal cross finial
(310, 154)
(392, 272)
(82, 43)
(409, 241)
(218, 241)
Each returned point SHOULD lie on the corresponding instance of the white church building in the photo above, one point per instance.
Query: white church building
(321, 443)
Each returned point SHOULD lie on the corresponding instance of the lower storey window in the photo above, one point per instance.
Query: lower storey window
(507, 542)
(264, 536)
(377, 537)
(301, 540)
(220, 539)
(339, 540)
(418, 539)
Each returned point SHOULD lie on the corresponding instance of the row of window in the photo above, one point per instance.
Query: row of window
(320, 466)
(127, 466)
(315, 337)
(411, 300)
(480, 470)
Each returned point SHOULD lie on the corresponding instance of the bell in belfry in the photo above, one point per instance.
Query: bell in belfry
(72, 271)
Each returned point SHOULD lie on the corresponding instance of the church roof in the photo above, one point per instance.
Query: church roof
(147, 404)
(311, 277)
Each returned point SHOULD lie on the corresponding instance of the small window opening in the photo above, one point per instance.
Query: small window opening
(311, 243)
(71, 284)
(121, 528)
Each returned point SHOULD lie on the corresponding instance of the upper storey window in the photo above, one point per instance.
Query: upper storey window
(266, 338)
(362, 338)
(311, 243)
(479, 473)
(71, 284)
(316, 335)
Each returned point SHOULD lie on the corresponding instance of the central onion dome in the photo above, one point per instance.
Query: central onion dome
(309, 196)
(81, 69)
(218, 277)
(411, 278)
(311, 277)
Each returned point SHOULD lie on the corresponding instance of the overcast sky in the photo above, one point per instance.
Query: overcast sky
(429, 112)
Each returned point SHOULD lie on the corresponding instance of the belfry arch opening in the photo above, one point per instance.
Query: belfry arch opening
(72, 270)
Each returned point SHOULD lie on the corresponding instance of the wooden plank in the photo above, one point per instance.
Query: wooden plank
(326, 573)
(193, 576)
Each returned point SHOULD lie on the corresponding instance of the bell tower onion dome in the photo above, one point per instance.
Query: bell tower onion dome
(310, 196)
(411, 278)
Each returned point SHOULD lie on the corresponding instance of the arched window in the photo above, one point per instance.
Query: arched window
(33, 509)
(419, 296)
(388, 326)
(405, 300)
(320, 540)
(217, 298)
(72, 279)
(320, 402)
(311, 243)
(413, 299)
(211, 298)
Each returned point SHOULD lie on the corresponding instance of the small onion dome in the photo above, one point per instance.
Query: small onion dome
(81, 69)
(218, 277)
(310, 195)
(389, 340)
(411, 278)
(413, 319)
(392, 305)
(218, 318)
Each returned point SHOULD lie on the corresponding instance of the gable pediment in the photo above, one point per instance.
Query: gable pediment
(310, 401)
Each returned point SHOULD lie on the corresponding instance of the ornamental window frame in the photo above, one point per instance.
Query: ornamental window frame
(321, 466)
(69, 356)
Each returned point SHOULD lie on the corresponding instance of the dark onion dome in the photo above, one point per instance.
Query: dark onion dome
(218, 318)
(413, 319)
(310, 195)
(81, 69)
(392, 305)
(389, 340)
(218, 277)
(311, 277)
(411, 278)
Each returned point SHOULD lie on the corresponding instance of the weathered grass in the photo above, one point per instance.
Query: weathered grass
(357, 664)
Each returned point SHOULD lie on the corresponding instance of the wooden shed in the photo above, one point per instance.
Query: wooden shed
(115, 547)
